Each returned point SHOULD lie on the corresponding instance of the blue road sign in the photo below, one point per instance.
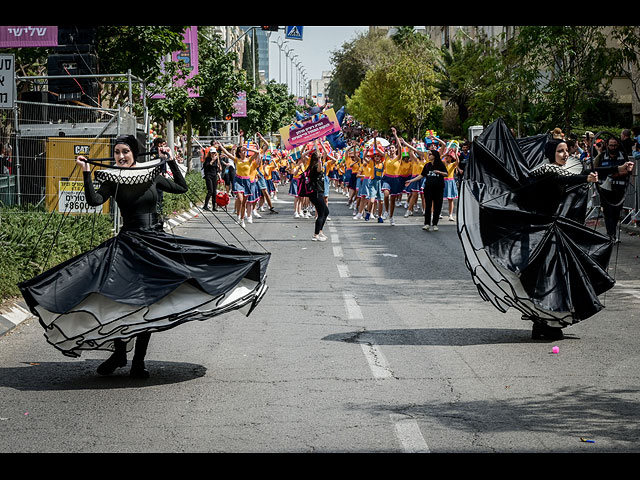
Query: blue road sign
(293, 33)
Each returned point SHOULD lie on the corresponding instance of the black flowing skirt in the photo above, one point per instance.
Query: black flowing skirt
(142, 280)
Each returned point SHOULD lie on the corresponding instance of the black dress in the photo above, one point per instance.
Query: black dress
(521, 223)
(143, 279)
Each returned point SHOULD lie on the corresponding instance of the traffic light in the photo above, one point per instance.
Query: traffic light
(270, 29)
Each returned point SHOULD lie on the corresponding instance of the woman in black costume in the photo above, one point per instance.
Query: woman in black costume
(143, 280)
(136, 203)
(553, 179)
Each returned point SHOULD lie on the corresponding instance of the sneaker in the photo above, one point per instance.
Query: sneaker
(322, 235)
(273, 210)
(296, 215)
(249, 219)
(257, 215)
(367, 216)
(435, 228)
(358, 216)
(392, 221)
(318, 238)
(242, 224)
(426, 228)
(385, 215)
(380, 220)
(451, 219)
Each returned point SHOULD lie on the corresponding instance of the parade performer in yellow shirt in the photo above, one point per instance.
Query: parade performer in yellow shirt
(246, 157)
(414, 189)
(450, 187)
(391, 186)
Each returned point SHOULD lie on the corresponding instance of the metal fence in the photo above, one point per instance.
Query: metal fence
(45, 139)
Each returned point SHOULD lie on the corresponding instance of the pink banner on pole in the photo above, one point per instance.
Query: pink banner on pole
(28, 36)
(240, 105)
(189, 56)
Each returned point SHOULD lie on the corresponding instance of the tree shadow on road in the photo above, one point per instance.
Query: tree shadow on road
(568, 414)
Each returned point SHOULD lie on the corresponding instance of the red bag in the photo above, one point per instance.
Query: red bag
(222, 199)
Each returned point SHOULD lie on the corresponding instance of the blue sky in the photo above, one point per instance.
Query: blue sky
(314, 50)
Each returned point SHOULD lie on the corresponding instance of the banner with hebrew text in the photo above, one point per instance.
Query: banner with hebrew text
(309, 128)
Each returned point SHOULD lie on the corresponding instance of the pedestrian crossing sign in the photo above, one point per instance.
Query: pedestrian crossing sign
(293, 33)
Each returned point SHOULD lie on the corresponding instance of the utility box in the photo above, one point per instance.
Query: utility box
(64, 180)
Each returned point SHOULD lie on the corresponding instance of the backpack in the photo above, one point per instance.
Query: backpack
(305, 189)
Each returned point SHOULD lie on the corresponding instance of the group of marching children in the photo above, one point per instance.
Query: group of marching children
(255, 180)
(376, 176)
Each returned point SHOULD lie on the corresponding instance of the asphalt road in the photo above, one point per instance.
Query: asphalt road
(373, 341)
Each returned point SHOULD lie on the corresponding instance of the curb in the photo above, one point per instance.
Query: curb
(181, 218)
(17, 312)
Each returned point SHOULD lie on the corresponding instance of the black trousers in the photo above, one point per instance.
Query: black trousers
(611, 216)
(433, 194)
(322, 210)
(212, 183)
(611, 203)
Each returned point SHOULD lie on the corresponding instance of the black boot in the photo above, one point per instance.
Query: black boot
(117, 359)
(542, 331)
(138, 369)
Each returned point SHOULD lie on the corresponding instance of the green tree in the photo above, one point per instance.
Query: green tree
(352, 62)
(401, 94)
(574, 65)
(268, 110)
(140, 49)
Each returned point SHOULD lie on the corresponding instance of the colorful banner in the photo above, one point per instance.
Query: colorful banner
(309, 129)
(28, 36)
(240, 105)
(189, 56)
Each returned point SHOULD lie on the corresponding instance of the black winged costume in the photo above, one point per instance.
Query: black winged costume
(143, 279)
(521, 222)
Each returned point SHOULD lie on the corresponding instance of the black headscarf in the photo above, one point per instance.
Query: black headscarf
(131, 141)
(550, 149)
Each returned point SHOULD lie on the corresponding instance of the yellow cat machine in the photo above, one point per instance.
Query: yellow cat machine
(64, 182)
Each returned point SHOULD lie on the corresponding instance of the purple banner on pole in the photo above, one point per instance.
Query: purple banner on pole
(28, 36)
(240, 105)
(189, 56)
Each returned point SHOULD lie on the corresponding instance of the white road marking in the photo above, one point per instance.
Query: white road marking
(377, 363)
(353, 309)
(408, 432)
(343, 271)
(406, 428)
